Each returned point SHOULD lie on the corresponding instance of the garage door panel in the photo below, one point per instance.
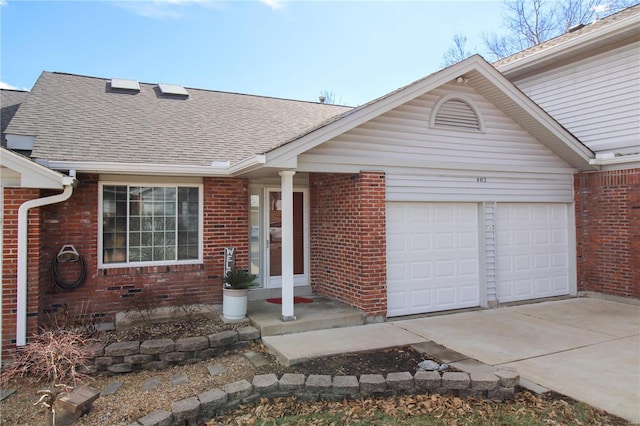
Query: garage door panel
(395, 299)
(420, 299)
(541, 261)
(439, 257)
(469, 294)
(445, 298)
(560, 260)
(533, 251)
(559, 236)
(543, 285)
(420, 270)
(468, 267)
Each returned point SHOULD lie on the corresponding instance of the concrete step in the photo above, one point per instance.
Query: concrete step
(321, 314)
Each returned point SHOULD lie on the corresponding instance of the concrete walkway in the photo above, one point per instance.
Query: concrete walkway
(588, 349)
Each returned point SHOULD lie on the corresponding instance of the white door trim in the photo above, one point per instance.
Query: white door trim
(298, 279)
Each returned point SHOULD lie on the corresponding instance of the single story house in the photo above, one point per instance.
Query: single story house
(477, 185)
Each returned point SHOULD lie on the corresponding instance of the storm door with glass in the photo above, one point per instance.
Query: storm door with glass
(273, 239)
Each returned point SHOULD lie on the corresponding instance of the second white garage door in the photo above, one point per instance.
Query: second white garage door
(532, 244)
(432, 257)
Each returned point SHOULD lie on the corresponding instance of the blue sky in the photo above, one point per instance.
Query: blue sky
(291, 49)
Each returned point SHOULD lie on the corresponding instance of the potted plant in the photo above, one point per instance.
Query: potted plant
(235, 293)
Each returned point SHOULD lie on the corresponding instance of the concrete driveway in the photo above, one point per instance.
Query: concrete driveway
(588, 349)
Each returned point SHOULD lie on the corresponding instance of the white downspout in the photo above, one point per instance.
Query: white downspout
(23, 215)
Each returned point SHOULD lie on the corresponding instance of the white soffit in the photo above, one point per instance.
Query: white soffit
(31, 174)
(125, 84)
(172, 89)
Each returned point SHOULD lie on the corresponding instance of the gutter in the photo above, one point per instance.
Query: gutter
(611, 161)
(23, 234)
(248, 164)
(137, 168)
(221, 168)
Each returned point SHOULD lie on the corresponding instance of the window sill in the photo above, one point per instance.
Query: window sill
(109, 270)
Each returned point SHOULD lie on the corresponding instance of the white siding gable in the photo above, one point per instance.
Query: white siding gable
(502, 162)
(597, 99)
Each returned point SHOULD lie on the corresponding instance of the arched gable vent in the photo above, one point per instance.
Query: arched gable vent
(454, 112)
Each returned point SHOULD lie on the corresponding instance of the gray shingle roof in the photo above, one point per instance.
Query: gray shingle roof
(630, 11)
(10, 101)
(79, 118)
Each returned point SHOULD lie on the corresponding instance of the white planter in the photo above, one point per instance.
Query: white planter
(234, 304)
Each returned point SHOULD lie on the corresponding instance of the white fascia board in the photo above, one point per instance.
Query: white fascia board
(623, 159)
(577, 43)
(136, 168)
(247, 165)
(32, 174)
(283, 154)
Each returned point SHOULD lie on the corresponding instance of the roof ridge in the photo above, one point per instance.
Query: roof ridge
(204, 89)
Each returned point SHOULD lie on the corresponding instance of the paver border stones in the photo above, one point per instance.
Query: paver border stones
(157, 418)
(186, 411)
(211, 400)
(265, 383)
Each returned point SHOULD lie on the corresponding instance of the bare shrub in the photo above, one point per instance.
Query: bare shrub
(142, 305)
(186, 305)
(80, 320)
(54, 357)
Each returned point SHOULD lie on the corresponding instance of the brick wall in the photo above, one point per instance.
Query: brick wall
(225, 220)
(13, 198)
(608, 232)
(348, 239)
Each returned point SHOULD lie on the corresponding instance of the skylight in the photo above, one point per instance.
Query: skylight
(124, 84)
(172, 89)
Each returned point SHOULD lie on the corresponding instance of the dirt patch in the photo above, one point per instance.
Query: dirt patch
(193, 327)
(354, 364)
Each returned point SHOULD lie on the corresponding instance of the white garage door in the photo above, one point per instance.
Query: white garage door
(432, 257)
(532, 251)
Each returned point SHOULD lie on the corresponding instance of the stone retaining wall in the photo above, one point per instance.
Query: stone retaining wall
(207, 405)
(125, 357)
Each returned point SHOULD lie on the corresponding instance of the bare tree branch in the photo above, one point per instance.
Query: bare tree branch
(458, 52)
(531, 22)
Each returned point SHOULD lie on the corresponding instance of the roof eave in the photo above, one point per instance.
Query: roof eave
(579, 43)
(32, 174)
(631, 161)
(247, 165)
(136, 168)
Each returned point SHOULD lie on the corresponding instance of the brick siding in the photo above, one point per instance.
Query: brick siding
(348, 239)
(608, 232)
(225, 221)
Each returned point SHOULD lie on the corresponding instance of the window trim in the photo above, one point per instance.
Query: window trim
(129, 183)
(460, 97)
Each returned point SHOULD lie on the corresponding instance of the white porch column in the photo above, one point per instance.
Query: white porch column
(286, 183)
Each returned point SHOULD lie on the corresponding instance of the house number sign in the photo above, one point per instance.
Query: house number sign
(481, 179)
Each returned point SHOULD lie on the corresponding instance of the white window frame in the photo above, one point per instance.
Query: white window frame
(127, 264)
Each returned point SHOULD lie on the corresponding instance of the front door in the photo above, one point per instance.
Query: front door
(274, 238)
